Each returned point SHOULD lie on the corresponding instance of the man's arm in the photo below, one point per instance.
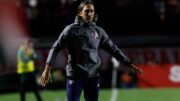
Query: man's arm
(57, 46)
(22, 55)
(110, 47)
(46, 76)
(32, 53)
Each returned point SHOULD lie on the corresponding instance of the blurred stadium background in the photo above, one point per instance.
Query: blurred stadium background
(146, 30)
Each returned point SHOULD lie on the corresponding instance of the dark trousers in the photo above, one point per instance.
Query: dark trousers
(75, 86)
(28, 82)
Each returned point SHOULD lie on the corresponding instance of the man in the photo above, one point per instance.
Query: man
(26, 69)
(82, 40)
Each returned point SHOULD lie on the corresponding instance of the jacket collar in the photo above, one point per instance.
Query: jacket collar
(79, 21)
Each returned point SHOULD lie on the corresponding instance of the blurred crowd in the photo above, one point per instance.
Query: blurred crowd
(119, 17)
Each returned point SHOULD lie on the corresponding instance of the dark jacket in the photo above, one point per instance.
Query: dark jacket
(82, 41)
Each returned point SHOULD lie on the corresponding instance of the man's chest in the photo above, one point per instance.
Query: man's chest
(86, 37)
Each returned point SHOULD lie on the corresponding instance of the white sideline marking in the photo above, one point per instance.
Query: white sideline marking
(114, 94)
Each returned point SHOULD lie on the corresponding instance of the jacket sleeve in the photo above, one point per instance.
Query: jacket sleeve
(110, 47)
(58, 45)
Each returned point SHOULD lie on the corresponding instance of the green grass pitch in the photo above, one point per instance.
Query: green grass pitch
(164, 94)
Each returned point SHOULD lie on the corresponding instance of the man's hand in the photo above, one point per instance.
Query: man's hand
(46, 76)
(135, 69)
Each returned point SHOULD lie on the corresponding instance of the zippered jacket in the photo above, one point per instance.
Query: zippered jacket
(82, 41)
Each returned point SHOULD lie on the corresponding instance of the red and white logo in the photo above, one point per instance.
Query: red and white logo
(94, 35)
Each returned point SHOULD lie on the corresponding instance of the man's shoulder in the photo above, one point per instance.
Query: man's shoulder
(99, 28)
(77, 25)
(21, 48)
(72, 26)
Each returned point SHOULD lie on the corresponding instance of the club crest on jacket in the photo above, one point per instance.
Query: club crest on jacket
(94, 34)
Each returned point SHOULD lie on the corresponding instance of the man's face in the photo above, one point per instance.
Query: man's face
(87, 13)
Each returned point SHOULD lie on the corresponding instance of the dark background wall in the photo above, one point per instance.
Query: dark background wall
(117, 17)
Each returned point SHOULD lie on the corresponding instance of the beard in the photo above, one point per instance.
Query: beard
(88, 19)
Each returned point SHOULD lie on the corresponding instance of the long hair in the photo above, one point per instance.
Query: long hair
(81, 6)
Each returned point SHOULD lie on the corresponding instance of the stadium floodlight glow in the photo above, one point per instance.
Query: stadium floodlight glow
(33, 3)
